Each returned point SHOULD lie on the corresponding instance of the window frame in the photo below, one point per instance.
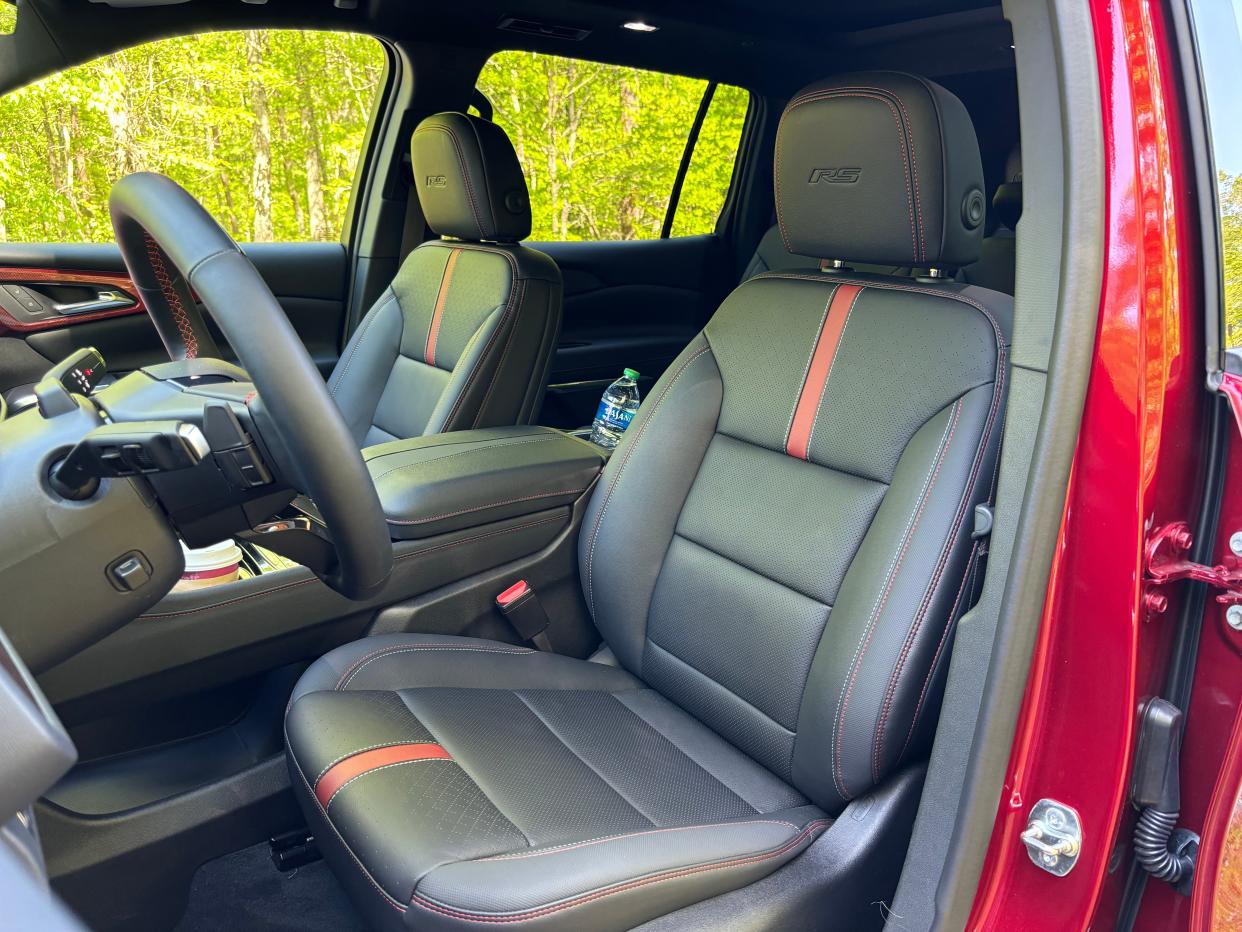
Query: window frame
(1202, 153)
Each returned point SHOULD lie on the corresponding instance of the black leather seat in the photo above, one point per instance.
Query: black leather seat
(465, 334)
(776, 555)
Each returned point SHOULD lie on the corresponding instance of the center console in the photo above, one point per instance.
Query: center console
(178, 714)
(467, 511)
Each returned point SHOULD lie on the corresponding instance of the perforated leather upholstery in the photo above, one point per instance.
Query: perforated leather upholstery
(776, 555)
(464, 336)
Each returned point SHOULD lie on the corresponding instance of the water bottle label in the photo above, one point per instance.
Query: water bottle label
(615, 417)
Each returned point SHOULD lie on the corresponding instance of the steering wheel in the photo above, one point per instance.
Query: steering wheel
(174, 249)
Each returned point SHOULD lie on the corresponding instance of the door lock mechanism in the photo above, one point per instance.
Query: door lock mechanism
(1053, 837)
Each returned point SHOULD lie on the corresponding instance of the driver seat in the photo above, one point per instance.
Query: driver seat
(464, 335)
(776, 555)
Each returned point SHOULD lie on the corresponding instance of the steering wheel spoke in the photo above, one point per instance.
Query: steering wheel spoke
(174, 250)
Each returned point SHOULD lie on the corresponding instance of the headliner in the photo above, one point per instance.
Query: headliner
(767, 45)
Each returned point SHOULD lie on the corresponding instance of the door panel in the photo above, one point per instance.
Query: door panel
(309, 280)
(634, 303)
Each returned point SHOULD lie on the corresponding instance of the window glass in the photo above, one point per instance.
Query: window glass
(601, 144)
(711, 164)
(264, 127)
(1217, 29)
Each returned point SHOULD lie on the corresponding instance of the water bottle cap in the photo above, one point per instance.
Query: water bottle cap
(631, 374)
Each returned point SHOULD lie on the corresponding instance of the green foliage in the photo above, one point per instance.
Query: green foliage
(601, 145)
(8, 17)
(237, 118)
(243, 122)
(1229, 193)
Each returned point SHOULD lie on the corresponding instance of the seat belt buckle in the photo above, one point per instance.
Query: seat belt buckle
(525, 613)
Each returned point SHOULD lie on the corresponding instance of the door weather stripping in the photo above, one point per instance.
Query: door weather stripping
(1053, 837)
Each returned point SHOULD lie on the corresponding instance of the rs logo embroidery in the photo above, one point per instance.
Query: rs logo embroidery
(834, 175)
(437, 181)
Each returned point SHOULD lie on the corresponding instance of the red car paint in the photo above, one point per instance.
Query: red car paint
(1137, 466)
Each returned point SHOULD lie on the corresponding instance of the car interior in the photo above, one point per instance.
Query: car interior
(736, 673)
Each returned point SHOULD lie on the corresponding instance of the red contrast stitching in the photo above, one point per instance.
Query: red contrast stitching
(504, 355)
(491, 445)
(156, 257)
(944, 639)
(830, 94)
(357, 342)
(419, 900)
(465, 173)
(510, 308)
(925, 604)
(388, 898)
(914, 160)
(599, 841)
(466, 511)
(838, 770)
(616, 478)
(1001, 347)
(348, 676)
(907, 645)
(901, 286)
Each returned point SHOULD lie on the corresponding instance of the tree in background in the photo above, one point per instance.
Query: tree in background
(601, 144)
(238, 119)
(1230, 195)
(265, 128)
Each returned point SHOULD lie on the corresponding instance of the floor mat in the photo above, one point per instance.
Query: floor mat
(244, 891)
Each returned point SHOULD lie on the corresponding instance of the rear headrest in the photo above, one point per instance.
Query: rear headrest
(882, 168)
(1007, 201)
(469, 181)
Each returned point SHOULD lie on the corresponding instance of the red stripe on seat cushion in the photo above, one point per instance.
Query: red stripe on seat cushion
(356, 765)
(799, 441)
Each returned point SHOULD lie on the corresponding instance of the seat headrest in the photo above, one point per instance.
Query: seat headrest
(469, 181)
(1007, 201)
(882, 168)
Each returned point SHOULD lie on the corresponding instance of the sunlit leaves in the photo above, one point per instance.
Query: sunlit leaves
(183, 107)
(601, 144)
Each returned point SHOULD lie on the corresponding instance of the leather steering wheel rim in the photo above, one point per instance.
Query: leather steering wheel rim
(174, 249)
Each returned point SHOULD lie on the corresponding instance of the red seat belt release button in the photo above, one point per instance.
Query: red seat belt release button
(512, 594)
(523, 610)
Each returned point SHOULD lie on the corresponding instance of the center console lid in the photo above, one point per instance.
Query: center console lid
(446, 482)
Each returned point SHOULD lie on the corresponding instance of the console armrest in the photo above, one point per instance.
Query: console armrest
(445, 482)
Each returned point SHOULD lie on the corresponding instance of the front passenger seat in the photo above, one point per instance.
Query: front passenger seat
(776, 555)
(464, 336)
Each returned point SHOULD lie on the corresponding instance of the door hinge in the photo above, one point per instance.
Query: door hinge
(1165, 561)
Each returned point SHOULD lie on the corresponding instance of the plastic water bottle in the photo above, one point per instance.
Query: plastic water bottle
(616, 410)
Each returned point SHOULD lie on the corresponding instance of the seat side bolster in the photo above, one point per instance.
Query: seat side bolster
(893, 606)
(492, 380)
(359, 379)
(628, 878)
(629, 519)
